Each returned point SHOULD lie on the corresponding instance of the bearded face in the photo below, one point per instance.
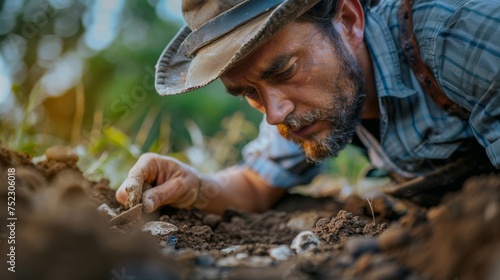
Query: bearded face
(308, 83)
(342, 109)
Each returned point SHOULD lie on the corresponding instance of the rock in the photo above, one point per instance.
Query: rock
(252, 261)
(160, 228)
(230, 249)
(106, 212)
(281, 253)
(241, 256)
(356, 246)
(212, 220)
(61, 153)
(258, 261)
(304, 221)
(393, 238)
(230, 261)
(205, 260)
(305, 241)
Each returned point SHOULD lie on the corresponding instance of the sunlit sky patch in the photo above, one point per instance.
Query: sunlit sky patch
(170, 10)
(5, 82)
(104, 27)
(66, 73)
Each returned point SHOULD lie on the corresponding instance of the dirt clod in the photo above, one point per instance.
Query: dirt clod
(61, 234)
(62, 154)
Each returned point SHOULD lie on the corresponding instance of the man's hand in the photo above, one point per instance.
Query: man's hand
(176, 183)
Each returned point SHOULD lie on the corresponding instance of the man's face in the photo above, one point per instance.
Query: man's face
(309, 87)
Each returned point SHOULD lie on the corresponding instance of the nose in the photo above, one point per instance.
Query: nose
(277, 106)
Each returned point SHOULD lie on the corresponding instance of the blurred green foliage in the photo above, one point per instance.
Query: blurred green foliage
(117, 80)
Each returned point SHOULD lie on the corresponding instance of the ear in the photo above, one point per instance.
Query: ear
(351, 18)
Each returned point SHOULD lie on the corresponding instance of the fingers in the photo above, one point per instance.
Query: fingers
(130, 191)
(177, 184)
(179, 193)
(121, 195)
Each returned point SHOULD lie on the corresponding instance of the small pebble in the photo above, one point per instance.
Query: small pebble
(159, 228)
(304, 221)
(205, 260)
(357, 246)
(258, 261)
(61, 153)
(280, 253)
(305, 241)
(230, 249)
(230, 261)
(106, 212)
(212, 220)
(393, 238)
(241, 256)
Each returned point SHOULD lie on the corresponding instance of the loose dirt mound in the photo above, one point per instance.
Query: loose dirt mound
(60, 235)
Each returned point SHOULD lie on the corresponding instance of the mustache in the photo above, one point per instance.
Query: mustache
(296, 122)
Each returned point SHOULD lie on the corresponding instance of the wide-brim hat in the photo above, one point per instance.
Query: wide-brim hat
(218, 34)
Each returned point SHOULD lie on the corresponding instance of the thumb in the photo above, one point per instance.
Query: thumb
(152, 200)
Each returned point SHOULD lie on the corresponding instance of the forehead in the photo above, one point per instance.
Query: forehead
(289, 40)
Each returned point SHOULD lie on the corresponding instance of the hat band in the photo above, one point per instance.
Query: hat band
(223, 24)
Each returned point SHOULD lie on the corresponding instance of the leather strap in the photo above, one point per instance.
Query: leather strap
(424, 75)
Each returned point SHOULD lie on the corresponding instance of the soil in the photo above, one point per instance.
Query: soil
(59, 234)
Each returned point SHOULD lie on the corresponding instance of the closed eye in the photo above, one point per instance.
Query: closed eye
(287, 73)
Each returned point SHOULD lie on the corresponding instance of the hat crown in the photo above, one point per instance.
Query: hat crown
(198, 12)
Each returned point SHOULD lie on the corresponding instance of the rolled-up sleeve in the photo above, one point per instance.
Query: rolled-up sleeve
(280, 162)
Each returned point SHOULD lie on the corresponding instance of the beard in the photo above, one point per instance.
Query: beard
(342, 109)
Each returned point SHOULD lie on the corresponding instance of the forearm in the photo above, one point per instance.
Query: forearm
(238, 188)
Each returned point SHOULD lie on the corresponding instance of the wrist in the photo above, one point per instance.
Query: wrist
(208, 189)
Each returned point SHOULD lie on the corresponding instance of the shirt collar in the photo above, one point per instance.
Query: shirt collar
(384, 55)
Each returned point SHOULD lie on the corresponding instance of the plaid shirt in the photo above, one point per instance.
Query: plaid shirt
(460, 42)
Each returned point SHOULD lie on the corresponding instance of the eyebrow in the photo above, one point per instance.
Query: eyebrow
(275, 66)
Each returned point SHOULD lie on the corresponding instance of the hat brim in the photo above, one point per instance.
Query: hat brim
(176, 74)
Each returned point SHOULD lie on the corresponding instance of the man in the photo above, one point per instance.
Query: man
(322, 71)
